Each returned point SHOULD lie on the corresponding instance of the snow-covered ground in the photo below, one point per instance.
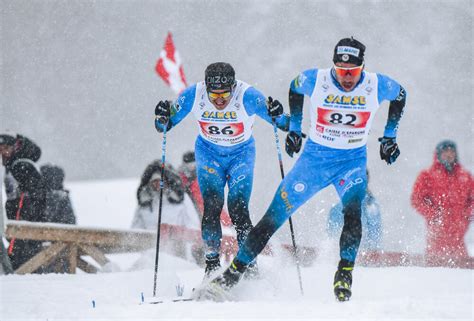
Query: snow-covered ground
(407, 293)
(398, 293)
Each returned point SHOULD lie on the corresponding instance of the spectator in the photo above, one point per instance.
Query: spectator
(146, 215)
(177, 209)
(187, 171)
(58, 210)
(58, 204)
(371, 222)
(444, 196)
(25, 190)
(5, 265)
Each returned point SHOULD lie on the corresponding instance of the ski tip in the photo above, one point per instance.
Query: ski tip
(211, 292)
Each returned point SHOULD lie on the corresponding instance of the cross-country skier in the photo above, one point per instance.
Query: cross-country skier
(225, 110)
(344, 100)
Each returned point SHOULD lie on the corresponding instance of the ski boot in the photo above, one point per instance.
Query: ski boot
(218, 289)
(252, 272)
(213, 264)
(231, 275)
(343, 280)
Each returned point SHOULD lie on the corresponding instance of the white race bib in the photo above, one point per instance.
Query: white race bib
(342, 119)
(227, 127)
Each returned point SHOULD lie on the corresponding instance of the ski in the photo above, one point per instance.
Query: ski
(159, 301)
(179, 298)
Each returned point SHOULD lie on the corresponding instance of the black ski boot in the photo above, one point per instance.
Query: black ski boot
(231, 275)
(213, 264)
(219, 289)
(252, 272)
(343, 280)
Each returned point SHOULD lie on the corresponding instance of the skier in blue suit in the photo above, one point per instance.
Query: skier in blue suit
(344, 100)
(225, 109)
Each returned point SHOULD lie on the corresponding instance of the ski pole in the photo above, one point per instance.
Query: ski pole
(163, 158)
(292, 231)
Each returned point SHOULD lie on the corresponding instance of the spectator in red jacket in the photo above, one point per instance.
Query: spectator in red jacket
(444, 196)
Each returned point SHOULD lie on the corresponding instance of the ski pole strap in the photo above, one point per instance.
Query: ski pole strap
(17, 218)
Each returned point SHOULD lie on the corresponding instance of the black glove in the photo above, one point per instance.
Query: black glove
(163, 111)
(293, 143)
(389, 150)
(274, 107)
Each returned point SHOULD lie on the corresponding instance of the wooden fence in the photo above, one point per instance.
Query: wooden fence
(72, 243)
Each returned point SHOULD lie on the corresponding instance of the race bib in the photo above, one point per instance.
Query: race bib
(227, 127)
(221, 131)
(338, 118)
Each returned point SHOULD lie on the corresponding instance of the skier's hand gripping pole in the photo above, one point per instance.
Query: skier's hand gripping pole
(272, 105)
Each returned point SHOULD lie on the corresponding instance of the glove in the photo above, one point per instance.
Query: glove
(389, 150)
(163, 111)
(274, 107)
(293, 143)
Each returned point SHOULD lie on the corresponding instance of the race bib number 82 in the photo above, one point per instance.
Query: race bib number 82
(351, 119)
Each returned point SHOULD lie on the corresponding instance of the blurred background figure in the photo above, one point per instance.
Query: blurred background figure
(178, 213)
(146, 214)
(25, 190)
(58, 209)
(187, 172)
(58, 203)
(443, 195)
(371, 222)
(5, 264)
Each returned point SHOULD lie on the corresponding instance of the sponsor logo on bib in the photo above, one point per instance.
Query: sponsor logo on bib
(219, 115)
(345, 100)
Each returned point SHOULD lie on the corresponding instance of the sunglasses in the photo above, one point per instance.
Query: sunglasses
(223, 95)
(351, 71)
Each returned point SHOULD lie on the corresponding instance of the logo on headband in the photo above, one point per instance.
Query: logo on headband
(344, 50)
(345, 57)
(220, 80)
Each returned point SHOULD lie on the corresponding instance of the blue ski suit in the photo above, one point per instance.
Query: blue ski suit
(335, 154)
(225, 155)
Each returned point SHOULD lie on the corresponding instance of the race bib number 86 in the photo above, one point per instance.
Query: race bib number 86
(224, 129)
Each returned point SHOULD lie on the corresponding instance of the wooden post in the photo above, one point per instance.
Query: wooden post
(95, 253)
(42, 258)
(85, 266)
(72, 258)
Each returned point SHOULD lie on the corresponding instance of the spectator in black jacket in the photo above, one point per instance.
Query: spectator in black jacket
(58, 203)
(25, 190)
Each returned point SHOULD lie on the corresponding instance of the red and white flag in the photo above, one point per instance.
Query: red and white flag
(169, 66)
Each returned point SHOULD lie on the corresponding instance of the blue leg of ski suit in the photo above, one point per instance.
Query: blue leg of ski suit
(217, 167)
(317, 167)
